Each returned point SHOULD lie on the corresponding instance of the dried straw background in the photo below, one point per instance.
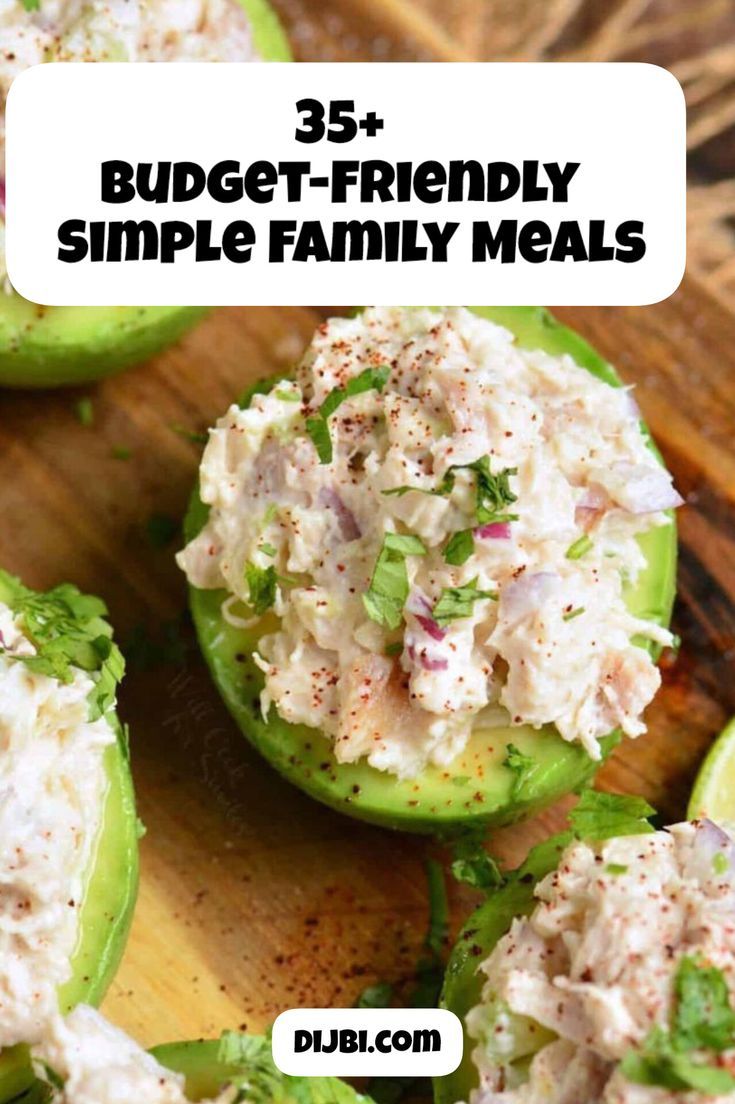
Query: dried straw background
(695, 39)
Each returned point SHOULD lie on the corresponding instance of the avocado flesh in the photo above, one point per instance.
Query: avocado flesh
(206, 1075)
(109, 899)
(462, 988)
(476, 787)
(63, 346)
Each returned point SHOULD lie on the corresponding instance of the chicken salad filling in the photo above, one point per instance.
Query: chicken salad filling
(54, 731)
(444, 524)
(619, 988)
(113, 30)
(84, 1059)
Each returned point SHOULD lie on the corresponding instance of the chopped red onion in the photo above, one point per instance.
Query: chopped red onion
(429, 625)
(710, 840)
(495, 530)
(641, 489)
(348, 526)
(419, 605)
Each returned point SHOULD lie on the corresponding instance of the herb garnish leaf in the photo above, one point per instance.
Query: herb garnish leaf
(599, 816)
(473, 866)
(455, 602)
(492, 492)
(317, 426)
(68, 631)
(459, 548)
(388, 590)
(704, 1015)
(703, 1020)
(262, 583)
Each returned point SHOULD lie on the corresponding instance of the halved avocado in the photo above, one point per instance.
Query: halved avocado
(110, 891)
(477, 788)
(63, 346)
(462, 987)
(206, 1074)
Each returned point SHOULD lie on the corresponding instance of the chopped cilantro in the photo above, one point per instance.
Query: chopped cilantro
(317, 426)
(197, 437)
(580, 548)
(393, 649)
(455, 602)
(570, 616)
(522, 766)
(657, 1063)
(318, 429)
(473, 866)
(287, 396)
(267, 549)
(67, 630)
(375, 996)
(85, 412)
(704, 1017)
(616, 868)
(31, 5)
(161, 530)
(388, 590)
(599, 816)
(460, 547)
(262, 583)
(121, 452)
(492, 493)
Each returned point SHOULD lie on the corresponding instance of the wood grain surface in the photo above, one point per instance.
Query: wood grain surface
(254, 898)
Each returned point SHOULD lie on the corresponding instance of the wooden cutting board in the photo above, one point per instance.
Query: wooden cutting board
(253, 898)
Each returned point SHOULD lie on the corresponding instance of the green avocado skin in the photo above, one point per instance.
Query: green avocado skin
(66, 346)
(206, 1075)
(109, 900)
(477, 788)
(462, 986)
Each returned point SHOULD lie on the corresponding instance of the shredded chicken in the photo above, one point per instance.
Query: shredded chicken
(547, 639)
(582, 981)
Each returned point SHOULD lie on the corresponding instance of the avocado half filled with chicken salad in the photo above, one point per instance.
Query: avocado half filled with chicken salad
(431, 571)
(84, 1059)
(603, 971)
(53, 346)
(69, 855)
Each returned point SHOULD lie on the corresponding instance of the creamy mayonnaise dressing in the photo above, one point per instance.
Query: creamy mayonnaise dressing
(115, 30)
(52, 787)
(99, 1064)
(583, 980)
(556, 646)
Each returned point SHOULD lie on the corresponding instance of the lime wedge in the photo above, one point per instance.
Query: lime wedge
(713, 794)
